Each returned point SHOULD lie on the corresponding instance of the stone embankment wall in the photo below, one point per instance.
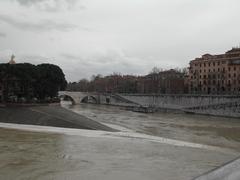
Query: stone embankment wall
(200, 104)
(180, 101)
(115, 100)
(229, 171)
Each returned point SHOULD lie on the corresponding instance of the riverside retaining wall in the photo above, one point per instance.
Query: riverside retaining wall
(221, 105)
(217, 105)
(180, 101)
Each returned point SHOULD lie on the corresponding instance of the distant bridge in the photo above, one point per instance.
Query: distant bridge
(79, 97)
(96, 98)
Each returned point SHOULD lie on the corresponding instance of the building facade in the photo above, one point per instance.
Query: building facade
(165, 82)
(215, 74)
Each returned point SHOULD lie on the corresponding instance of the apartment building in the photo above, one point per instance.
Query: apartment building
(215, 74)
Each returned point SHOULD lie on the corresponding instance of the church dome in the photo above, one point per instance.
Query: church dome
(12, 60)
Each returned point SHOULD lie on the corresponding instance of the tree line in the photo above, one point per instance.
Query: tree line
(31, 81)
(117, 83)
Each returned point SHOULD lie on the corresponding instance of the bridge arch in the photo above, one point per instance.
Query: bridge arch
(67, 97)
(89, 99)
(79, 97)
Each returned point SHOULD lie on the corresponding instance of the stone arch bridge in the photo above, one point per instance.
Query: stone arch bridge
(79, 97)
(96, 98)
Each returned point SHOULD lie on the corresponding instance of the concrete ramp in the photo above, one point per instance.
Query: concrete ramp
(55, 116)
(230, 171)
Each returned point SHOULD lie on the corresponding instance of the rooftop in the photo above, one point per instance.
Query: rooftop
(233, 50)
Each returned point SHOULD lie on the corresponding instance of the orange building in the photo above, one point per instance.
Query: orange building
(215, 74)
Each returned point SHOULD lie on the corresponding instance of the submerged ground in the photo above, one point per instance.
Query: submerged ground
(150, 146)
(55, 116)
(209, 130)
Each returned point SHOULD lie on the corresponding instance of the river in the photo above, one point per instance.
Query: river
(149, 147)
(217, 131)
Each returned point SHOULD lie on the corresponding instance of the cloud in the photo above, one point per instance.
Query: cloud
(42, 25)
(78, 66)
(51, 5)
(5, 56)
(168, 34)
(32, 58)
(3, 35)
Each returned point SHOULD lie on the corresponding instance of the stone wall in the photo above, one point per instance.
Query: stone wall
(212, 105)
(116, 100)
(200, 104)
(180, 101)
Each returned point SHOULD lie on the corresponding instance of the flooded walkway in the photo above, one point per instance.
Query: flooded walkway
(57, 153)
(160, 148)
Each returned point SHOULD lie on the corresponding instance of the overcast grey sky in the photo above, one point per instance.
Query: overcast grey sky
(86, 37)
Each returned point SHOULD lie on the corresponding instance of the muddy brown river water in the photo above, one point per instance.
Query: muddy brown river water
(217, 131)
(150, 147)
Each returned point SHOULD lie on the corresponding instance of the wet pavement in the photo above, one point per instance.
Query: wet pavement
(150, 147)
